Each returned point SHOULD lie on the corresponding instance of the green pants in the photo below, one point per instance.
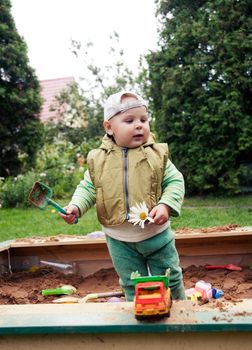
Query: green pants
(157, 254)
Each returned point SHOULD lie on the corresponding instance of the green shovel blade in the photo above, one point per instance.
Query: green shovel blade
(66, 289)
(40, 196)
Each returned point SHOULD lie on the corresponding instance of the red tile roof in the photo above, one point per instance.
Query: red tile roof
(50, 89)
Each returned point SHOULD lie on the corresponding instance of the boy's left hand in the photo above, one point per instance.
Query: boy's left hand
(160, 214)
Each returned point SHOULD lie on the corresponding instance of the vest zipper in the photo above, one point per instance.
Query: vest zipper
(126, 191)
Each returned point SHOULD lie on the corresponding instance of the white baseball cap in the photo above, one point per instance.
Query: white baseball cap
(114, 104)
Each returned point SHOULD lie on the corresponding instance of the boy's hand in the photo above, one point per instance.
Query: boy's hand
(72, 213)
(160, 214)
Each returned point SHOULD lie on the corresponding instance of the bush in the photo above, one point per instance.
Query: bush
(60, 166)
(64, 181)
(14, 191)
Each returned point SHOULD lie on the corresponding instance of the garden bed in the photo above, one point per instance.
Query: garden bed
(25, 287)
(224, 322)
(22, 278)
(20, 283)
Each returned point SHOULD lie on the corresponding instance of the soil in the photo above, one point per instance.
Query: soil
(25, 287)
(223, 228)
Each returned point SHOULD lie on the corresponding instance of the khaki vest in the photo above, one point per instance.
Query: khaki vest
(118, 179)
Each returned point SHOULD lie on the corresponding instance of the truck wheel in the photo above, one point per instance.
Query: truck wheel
(139, 317)
(167, 314)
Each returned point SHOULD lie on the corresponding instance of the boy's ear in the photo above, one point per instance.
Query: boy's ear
(107, 127)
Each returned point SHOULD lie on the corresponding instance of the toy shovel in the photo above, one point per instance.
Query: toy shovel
(66, 289)
(40, 196)
(70, 300)
(231, 267)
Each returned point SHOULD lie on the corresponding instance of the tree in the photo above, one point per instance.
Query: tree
(20, 101)
(69, 106)
(98, 82)
(200, 89)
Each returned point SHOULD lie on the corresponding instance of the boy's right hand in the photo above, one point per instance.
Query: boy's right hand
(72, 213)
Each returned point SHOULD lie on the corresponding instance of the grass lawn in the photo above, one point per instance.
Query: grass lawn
(17, 223)
(197, 212)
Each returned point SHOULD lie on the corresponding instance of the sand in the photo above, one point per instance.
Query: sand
(25, 287)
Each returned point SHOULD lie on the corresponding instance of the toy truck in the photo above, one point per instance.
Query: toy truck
(152, 295)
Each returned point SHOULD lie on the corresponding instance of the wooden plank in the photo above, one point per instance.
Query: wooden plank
(186, 316)
(187, 245)
(65, 252)
(137, 341)
(214, 245)
(56, 241)
(80, 240)
(196, 248)
(239, 232)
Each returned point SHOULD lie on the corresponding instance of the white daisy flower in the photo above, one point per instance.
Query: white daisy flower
(139, 214)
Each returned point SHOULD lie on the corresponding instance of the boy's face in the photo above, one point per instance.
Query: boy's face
(130, 129)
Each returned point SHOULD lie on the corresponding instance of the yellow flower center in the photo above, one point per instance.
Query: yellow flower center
(143, 216)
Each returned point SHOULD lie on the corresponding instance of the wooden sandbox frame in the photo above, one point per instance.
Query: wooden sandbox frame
(113, 325)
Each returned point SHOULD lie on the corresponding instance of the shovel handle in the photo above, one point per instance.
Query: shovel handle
(59, 208)
(109, 294)
(100, 295)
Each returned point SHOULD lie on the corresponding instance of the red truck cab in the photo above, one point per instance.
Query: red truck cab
(152, 296)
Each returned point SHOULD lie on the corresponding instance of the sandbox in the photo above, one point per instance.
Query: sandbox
(99, 324)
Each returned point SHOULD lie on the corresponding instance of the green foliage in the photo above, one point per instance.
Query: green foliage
(57, 165)
(71, 107)
(20, 101)
(200, 83)
(14, 191)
